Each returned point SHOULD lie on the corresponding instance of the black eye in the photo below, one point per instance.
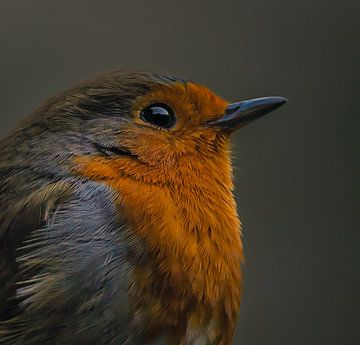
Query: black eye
(159, 114)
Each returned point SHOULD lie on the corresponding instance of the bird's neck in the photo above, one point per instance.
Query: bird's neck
(191, 229)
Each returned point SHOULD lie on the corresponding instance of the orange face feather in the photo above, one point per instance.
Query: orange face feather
(177, 194)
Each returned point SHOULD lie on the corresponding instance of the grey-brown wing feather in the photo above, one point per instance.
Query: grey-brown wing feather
(24, 207)
(65, 274)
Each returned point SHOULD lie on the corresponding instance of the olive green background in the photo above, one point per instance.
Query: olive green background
(296, 171)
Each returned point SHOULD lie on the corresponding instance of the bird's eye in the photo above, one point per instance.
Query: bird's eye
(159, 114)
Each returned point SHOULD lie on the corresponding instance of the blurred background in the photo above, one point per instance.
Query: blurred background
(296, 171)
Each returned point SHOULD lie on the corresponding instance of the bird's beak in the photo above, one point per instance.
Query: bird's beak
(241, 113)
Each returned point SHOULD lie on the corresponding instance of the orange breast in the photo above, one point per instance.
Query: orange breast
(193, 276)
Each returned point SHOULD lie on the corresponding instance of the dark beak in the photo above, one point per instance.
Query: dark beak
(241, 113)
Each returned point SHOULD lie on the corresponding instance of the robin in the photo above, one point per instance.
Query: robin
(118, 221)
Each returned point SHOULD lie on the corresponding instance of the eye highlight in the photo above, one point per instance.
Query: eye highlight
(159, 114)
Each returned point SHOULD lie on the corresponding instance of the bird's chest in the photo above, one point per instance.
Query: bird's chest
(189, 282)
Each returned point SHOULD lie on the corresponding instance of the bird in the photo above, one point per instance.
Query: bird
(118, 218)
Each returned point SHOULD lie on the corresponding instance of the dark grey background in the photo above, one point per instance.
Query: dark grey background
(297, 171)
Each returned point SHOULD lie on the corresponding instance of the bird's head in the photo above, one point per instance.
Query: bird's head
(152, 121)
